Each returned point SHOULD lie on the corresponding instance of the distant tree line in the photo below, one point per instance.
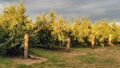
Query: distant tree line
(51, 31)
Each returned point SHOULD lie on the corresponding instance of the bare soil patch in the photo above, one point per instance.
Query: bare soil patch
(100, 50)
(70, 52)
(29, 61)
(74, 53)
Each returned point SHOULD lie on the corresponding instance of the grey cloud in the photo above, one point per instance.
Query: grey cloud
(1, 8)
(94, 9)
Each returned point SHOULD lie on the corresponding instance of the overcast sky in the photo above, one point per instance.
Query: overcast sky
(93, 9)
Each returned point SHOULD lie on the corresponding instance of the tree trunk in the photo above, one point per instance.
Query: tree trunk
(60, 44)
(68, 44)
(26, 37)
(110, 40)
(92, 41)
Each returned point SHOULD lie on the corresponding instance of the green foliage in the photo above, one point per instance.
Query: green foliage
(2, 35)
(42, 31)
(116, 32)
(76, 32)
(57, 31)
(15, 24)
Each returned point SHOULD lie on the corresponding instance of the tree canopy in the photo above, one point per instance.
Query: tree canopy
(51, 30)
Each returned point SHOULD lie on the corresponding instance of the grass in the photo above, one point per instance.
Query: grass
(102, 57)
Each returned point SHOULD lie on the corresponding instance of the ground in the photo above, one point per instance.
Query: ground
(28, 61)
(101, 57)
